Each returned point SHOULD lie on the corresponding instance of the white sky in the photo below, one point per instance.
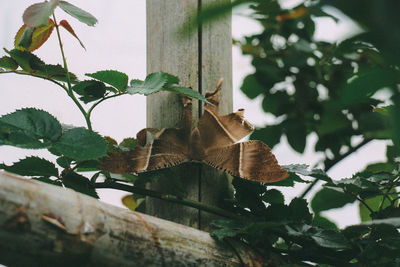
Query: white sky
(118, 42)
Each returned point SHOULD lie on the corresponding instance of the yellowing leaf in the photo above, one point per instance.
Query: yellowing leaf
(129, 202)
(38, 37)
(294, 14)
(68, 27)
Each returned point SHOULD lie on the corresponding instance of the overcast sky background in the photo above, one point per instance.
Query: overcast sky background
(118, 42)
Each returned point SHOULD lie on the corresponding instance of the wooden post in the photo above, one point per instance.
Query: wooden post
(199, 60)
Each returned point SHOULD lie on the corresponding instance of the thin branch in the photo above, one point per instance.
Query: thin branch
(170, 198)
(69, 91)
(89, 112)
(37, 76)
(330, 163)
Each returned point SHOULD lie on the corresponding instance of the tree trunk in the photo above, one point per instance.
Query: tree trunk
(199, 60)
(46, 225)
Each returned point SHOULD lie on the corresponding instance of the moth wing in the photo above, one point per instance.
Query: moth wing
(166, 151)
(251, 160)
(217, 131)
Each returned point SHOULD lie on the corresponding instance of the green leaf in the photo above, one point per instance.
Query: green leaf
(366, 82)
(38, 14)
(48, 181)
(186, 92)
(274, 196)
(34, 122)
(64, 162)
(296, 133)
(23, 139)
(153, 83)
(81, 144)
(80, 184)
(327, 199)
(331, 239)
(270, 135)
(90, 90)
(78, 13)
(114, 78)
(374, 203)
(303, 169)
(55, 72)
(323, 222)
(27, 61)
(8, 63)
(251, 86)
(299, 210)
(129, 143)
(32, 166)
(390, 221)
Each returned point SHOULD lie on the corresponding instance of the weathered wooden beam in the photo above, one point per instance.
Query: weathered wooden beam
(46, 225)
(199, 60)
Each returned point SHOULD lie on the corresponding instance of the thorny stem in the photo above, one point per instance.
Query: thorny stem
(330, 163)
(69, 89)
(169, 198)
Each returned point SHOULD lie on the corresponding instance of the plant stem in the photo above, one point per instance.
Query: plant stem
(169, 198)
(70, 91)
(89, 112)
(330, 163)
(37, 76)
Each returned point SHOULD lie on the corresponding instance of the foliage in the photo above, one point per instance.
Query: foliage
(310, 86)
(78, 149)
(327, 89)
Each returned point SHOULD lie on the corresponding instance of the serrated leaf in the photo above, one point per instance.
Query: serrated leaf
(327, 199)
(55, 72)
(22, 139)
(38, 14)
(303, 169)
(153, 83)
(27, 61)
(34, 122)
(81, 144)
(90, 90)
(8, 63)
(32, 38)
(78, 13)
(80, 184)
(32, 166)
(112, 77)
(68, 27)
(186, 92)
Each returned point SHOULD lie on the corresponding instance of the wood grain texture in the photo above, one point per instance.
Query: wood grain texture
(178, 55)
(93, 233)
(182, 56)
(216, 53)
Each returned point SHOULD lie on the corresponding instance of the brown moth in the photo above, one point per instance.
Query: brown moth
(213, 142)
